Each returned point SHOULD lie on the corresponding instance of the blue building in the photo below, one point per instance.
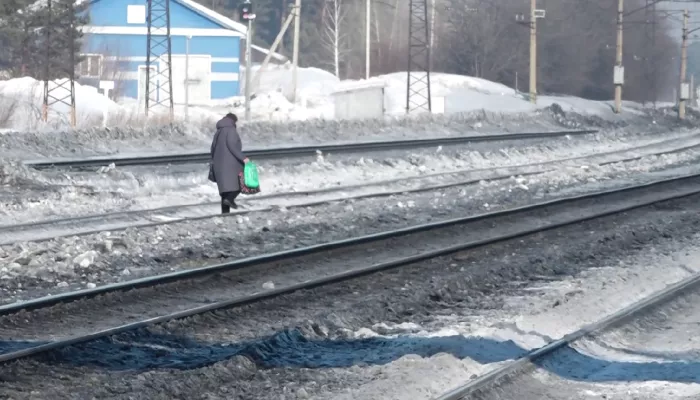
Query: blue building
(115, 49)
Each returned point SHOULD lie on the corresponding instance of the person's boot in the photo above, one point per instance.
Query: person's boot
(230, 203)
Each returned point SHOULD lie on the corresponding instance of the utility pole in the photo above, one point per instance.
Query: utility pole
(273, 48)
(692, 90)
(368, 32)
(650, 67)
(655, 80)
(684, 89)
(187, 78)
(248, 67)
(619, 72)
(432, 42)
(532, 23)
(247, 14)
(295, 52)
(533, 51)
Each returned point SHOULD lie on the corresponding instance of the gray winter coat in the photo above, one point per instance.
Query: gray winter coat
(227, 155)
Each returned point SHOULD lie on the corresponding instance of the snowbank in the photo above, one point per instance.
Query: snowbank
(467, 94)
(21, 104)
(21, 100)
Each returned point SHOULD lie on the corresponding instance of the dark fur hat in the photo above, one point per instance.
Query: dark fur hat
(232, 116)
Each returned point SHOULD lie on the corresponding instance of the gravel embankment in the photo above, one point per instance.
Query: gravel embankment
(683, 149)
(33, 269)
(456, 314)
(69, 320)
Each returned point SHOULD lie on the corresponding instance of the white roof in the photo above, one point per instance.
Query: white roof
(215, 16)
(353, 86)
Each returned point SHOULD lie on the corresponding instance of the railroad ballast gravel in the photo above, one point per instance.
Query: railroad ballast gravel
(317, 343)
(30, 270)
(76, 318)
(51, 194)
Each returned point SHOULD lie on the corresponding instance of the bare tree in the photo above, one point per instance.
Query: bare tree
(576, 45)
(391, 36)
(479, 38)
(576, 42)
(334, 37)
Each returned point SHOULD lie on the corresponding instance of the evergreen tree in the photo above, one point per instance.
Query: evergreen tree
(13, 22)
(25, 27)
(60, 26)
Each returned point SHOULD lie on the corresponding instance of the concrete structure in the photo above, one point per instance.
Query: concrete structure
(115, 46)
(359, 100)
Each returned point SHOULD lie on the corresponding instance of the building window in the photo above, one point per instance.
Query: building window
(135, 14)
(91, 66)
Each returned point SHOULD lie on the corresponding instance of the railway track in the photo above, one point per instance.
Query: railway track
(78, 226)
(299, 151)
(490, 385)
(46, 324)
(115, 221)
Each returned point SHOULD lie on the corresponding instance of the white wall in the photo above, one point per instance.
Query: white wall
(361, 103)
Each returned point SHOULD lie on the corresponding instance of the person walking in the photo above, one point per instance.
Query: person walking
(227, 161)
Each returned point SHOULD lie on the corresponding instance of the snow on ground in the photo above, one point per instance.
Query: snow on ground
(543, 312)
(57, 265)
(21, 105)
(271, 100)
(117, 189)
(465, 94)
(474, 106)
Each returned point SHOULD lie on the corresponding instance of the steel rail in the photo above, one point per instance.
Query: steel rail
(48, 301)
(304, 193)
(492, 378)
(258, 209)
(143, 213)
(299, 151)
(661, 153)
(334, 278)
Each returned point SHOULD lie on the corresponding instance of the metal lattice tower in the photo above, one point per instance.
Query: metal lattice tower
(58, 67)
(418, 80)
(159, 85)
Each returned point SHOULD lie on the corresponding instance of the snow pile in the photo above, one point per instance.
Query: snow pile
(273, 88)
(21, 105)
(21, 100)
(311, 82)
(466, 94)
(13, 173)
(24, 96)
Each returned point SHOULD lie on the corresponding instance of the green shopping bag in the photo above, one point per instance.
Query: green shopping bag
(250, 183)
